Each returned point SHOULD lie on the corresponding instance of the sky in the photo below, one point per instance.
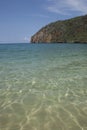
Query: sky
(20, 19)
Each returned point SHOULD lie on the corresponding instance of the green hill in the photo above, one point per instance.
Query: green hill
(72, 30)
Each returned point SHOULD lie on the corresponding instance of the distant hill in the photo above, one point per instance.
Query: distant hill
(73, 30)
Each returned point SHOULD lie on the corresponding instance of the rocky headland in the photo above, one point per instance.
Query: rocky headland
(73, 30)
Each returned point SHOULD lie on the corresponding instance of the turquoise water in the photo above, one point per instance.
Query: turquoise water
(43, 86)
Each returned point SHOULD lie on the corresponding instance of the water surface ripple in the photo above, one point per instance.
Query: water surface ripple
(43, 87)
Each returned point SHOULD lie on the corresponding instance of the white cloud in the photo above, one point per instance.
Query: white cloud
(26, 38)
(64, 7)
(78, 5)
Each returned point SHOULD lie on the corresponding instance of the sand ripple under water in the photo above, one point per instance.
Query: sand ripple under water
(43, 87)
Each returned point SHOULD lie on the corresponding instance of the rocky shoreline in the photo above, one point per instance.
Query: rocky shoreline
(67, 31)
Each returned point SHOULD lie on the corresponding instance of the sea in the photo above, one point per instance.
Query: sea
(43, 86)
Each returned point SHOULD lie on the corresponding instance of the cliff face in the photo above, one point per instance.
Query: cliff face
(72, 30)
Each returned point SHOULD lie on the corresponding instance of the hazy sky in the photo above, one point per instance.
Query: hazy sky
(20, 19)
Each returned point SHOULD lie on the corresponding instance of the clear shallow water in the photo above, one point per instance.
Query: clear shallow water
(43, 87)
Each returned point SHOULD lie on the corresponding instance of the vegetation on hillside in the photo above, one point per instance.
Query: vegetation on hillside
(71, 30)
